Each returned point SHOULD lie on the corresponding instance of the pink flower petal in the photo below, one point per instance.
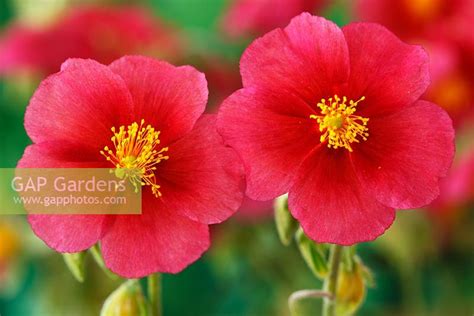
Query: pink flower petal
(309, 58)
(155, 241)
(63, 233)
(202, 180)
(69, 233)
(273, 133)
(405, 155)
(169, 98)
(57, 154)
(389, 73)
(331, 204)
(79, 105)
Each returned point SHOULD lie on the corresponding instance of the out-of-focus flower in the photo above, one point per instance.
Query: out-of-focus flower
(222, 76)
(10, 246)
(444, 28)
(334, 118)
(192, 179)
(99, 33)
(252, 210)
(256, 17)
(458, 186)
(457, 191)
(451, 82)
(408, 18)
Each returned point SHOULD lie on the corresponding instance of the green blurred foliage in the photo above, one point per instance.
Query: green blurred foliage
(5, 12)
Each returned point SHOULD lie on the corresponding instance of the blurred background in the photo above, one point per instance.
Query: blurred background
(424, 265)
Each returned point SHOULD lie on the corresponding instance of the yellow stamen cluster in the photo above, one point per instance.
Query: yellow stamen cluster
(338, 124)
(136, 155)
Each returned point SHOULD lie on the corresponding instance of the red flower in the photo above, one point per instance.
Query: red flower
(334, 118)
(451, 84)
(408, 18)
(260, 16)
(103, 34)
(457, 189)
(197, 180)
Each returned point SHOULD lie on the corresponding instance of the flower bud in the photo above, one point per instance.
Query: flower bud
(351, 289)
(285, 223)
(313, 254)
(127, 300)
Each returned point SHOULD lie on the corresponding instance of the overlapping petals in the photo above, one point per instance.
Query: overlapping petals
(64, 233)
(201, 181)
(69, 120)
(79, 105)
(273, 136)
(395, 75)
(442, 27)
(339, 195)
(307, 57)
(155, 85)
(406, 155)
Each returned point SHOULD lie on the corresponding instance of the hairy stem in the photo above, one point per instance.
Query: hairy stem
(298, 296)
(154, 293)
(330, 283)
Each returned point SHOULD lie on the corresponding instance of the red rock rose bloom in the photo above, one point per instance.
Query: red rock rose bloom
(255, 17)
(333, 117)
(103, 34)
(78, 117)
(449, 210)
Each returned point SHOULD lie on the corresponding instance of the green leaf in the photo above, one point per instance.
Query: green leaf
(349, 257)
(285, 223)
(75, 263)
(313, 254)
(368, 276)
(97, 255)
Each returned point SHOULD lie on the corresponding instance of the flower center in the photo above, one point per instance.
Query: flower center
(338, 124)
(136, 154)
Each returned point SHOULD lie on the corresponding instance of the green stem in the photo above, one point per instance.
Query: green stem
(154, 293)
(330, 283)
(301, 295)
